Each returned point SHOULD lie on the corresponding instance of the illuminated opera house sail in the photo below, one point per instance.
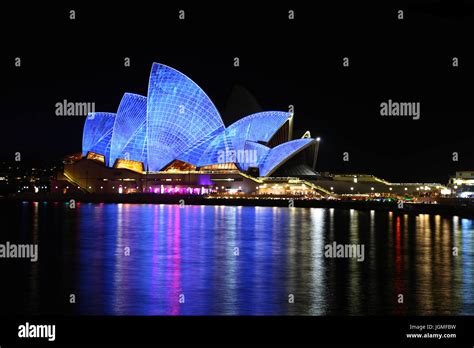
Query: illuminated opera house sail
(177, 129)
(178, 122)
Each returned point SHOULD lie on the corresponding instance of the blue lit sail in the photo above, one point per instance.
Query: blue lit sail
(259, 127)
(97, 132)
(103, 147)
(179, 113)
(281, 153)
(195, 152)
(219, 151)
(178, 121)
(131, 116)
(136, 149)
(254, 154)
(232, 143)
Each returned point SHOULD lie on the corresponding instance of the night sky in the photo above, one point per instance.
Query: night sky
(282, 62)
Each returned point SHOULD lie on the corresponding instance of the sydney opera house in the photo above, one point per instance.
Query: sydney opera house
(175, 141)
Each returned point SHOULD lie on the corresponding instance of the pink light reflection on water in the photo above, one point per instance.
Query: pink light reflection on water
(174, 264)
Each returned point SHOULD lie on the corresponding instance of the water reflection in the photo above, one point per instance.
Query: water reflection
(467, 253)
(217, 260)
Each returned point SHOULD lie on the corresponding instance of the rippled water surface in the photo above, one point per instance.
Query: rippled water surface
(216, 260)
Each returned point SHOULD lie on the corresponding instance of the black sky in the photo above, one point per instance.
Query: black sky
(283, 62)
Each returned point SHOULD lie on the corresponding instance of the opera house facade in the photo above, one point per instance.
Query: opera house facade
(175, 141)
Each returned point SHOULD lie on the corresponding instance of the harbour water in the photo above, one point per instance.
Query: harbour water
(150, 259)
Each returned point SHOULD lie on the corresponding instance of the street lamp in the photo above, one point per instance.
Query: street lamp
(316, 150)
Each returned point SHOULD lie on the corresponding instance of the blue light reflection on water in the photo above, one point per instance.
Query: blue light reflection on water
(467, 254)
(249, 260)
